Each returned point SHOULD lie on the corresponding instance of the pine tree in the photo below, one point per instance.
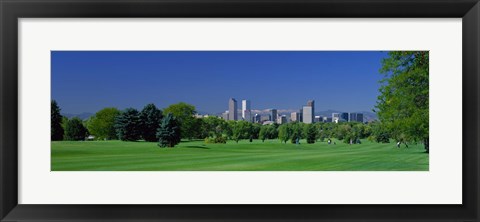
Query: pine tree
(74, 130)
(127, 125)
(56, 128)
(169, 132)
(150, 118)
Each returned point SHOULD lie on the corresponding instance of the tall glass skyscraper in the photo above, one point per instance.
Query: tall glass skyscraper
(273, 115)
(309, 112)
(232, 109)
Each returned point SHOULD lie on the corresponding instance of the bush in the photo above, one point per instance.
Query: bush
(219, 139)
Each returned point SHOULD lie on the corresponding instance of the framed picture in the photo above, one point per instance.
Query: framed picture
(224, 110)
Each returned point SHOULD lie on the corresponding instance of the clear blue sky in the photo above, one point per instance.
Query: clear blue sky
(87, 81)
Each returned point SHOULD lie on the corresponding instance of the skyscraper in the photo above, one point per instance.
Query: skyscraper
(246, 110)
(352, 117)
(344, 117)
(232, 109)
(308, 114)
(360, 117)
(295, 116)
(273, 115)
(300, 115)
(356, 117)
(311, 103)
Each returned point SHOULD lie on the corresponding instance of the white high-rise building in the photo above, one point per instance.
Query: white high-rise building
(246, 110)
(295, 116)
(308, 114)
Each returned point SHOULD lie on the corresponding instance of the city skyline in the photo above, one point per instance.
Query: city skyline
(252, 112)
(89, 81)
(306, 114)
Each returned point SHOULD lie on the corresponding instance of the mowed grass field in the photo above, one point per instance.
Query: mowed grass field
(244, 156)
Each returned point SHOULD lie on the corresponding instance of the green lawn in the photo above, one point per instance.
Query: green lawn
(244, 156)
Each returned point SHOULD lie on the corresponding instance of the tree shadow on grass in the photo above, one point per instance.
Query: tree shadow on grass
(189, 141)
(196, 147)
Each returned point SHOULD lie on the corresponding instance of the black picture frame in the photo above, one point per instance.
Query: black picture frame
(12, 10)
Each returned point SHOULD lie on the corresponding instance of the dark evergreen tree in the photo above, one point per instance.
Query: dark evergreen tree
(127, 125)
(311, 133)
(169, 132)
(150, 118)
(56, 129)
(75, 130)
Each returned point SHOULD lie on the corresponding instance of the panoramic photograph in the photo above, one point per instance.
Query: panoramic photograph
(239, 110)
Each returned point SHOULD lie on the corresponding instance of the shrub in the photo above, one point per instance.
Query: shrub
(219, 139)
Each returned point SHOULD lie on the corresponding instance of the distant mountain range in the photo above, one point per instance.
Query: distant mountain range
(82, 116)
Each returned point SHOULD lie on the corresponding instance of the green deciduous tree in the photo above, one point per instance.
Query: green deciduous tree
(284, 132)
(268, 132)
(297, 131)
(184, 113)
(169, 131)
(102, 124)
(321, 131)
(241, 130)
(56, 129)
(214, 126)
(263, 134)
(75, 130)
(273, 131)
(255, 130)
(402, 105)
(127, 125)
(150, 118)
(197, 125)
(379, 133)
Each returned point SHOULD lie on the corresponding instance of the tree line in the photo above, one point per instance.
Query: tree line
(149, 124)
(176, 122)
